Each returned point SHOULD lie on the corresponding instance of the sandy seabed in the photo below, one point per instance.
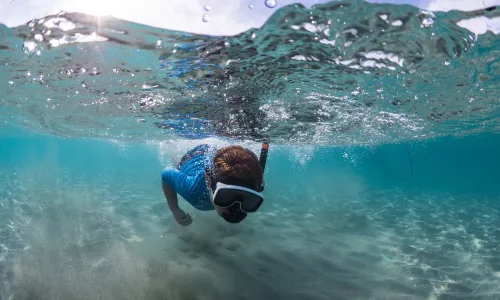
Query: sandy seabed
(62, 237)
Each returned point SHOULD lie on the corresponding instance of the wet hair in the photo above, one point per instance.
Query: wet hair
(236, 165)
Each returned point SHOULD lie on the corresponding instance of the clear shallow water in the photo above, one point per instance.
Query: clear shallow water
(389, 193)
(85, 219)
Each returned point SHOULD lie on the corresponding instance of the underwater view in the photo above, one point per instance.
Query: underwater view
(382, 177)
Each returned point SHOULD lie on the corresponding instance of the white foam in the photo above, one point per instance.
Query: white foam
(481, 25)
(171, 151)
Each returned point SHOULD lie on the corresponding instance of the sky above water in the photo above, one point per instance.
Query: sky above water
(225, 17)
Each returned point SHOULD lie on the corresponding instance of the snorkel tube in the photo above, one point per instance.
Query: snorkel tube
(262, 160)
(263, 155)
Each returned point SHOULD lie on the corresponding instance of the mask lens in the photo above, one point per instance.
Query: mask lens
(225, 198)
(249, 202)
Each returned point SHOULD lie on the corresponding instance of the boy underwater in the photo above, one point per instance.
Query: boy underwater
(228, 180)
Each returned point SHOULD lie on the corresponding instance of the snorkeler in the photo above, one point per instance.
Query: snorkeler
(229, 180)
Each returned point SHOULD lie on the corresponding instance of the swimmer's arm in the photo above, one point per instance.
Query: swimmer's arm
(180, 216)
(171, 182)
(174, 182)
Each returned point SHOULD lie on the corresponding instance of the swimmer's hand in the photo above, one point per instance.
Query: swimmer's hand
(182, 218)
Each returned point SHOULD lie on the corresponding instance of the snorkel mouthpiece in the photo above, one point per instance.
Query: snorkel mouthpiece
(234, 218)
(235, 215)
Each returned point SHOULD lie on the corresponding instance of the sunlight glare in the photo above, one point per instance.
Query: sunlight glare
(101, 7)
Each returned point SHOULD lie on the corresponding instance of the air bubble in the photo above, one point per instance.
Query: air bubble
(30, 47)
(206, 18)
(427, 21)
(397, 23)
(207, 7)
(427, 18)
(271, 3)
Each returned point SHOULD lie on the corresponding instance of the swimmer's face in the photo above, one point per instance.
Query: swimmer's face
(232, 214)
(233, 165)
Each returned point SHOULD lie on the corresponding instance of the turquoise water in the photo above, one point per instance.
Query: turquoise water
(382, 177)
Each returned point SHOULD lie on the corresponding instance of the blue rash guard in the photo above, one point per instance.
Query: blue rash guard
(188, 179)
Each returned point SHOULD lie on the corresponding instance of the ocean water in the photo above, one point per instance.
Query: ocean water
(382, 176)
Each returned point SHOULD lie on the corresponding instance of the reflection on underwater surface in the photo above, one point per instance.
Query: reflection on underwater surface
(84, 219)
(341, 73)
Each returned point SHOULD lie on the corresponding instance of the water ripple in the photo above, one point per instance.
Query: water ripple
(339, 73)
